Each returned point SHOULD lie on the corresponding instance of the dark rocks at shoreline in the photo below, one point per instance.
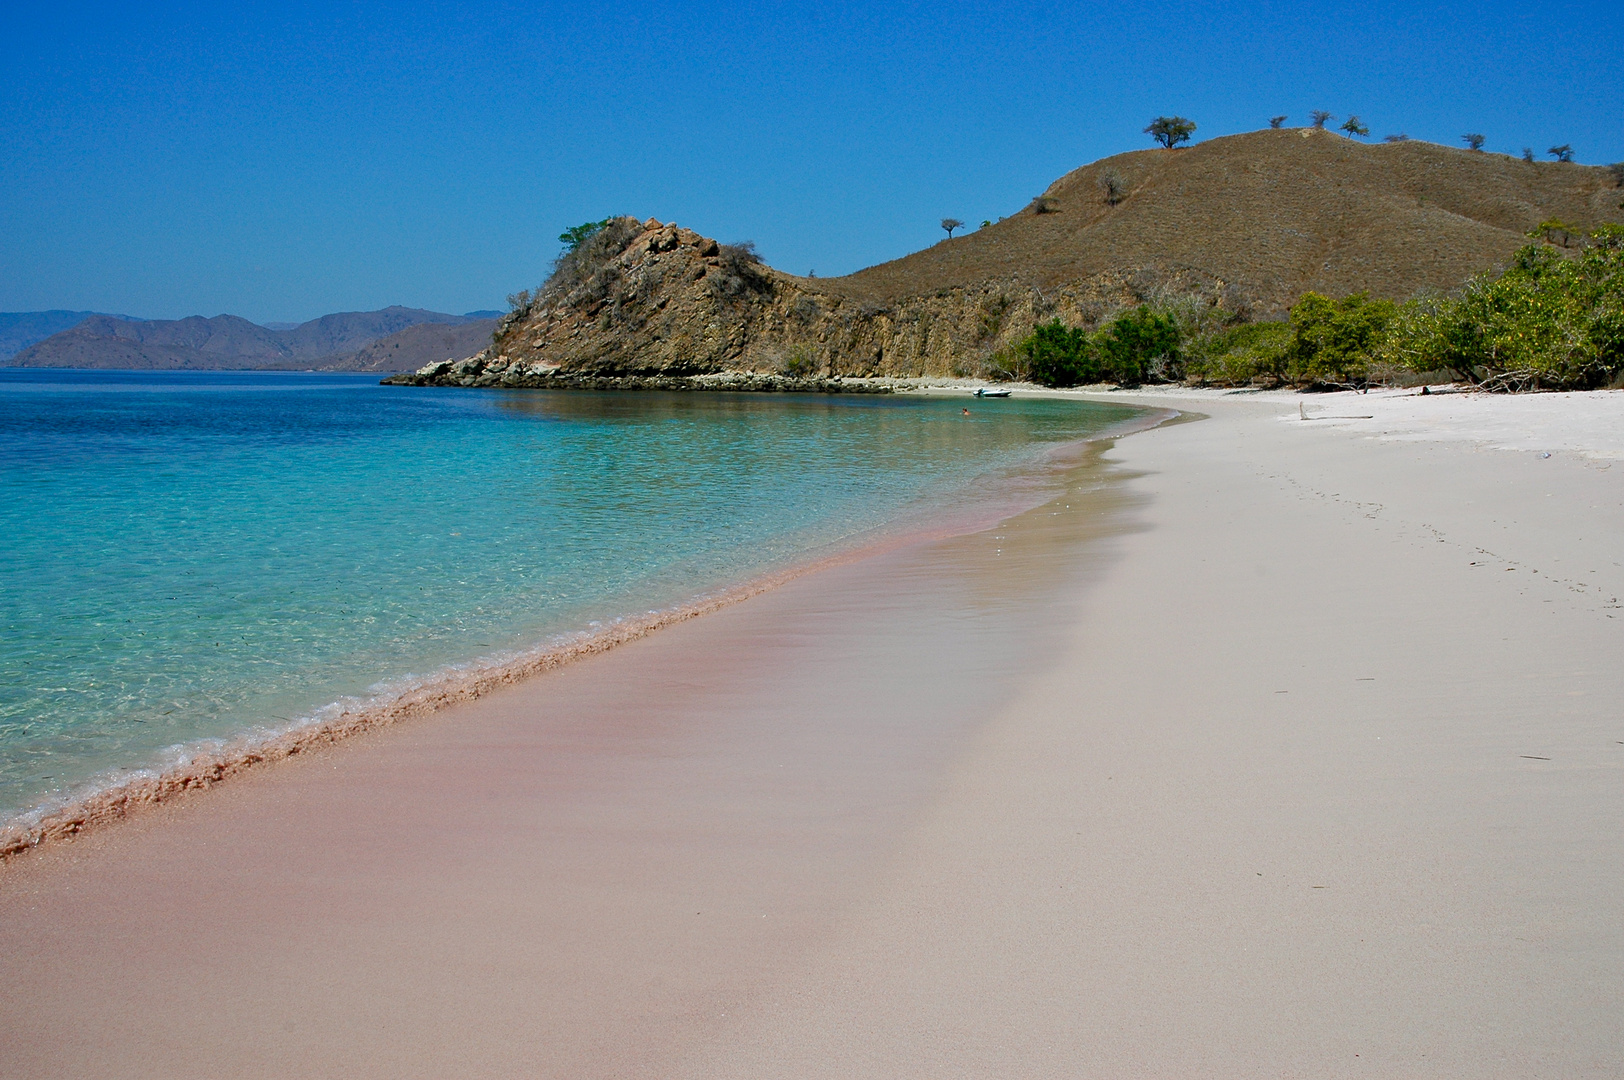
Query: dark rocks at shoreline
(474, 372)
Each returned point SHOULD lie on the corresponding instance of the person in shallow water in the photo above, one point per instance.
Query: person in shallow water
(966, 412)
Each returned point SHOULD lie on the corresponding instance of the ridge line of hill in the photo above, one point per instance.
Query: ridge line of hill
(1248, 223)
(390, 339)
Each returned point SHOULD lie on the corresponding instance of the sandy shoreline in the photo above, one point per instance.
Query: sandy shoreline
(1297, 753)
(114, 796)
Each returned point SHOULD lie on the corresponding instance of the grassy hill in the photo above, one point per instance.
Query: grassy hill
(1271, 213)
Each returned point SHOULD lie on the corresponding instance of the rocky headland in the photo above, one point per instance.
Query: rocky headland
(1248, 222)
(649, 305)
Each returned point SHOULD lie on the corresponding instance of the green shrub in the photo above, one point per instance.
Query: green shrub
(1333, 341)
(798, 365)
(572, 238)
(1326, 342)
(1247, 353)
(1548, 322)
(1138, 345)
(1054, 354)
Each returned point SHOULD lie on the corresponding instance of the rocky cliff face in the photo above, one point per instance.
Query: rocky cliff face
(655, 305)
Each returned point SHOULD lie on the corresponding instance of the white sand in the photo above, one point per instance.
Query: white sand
(1330, 784)
(1319, 774)
(1588, 424)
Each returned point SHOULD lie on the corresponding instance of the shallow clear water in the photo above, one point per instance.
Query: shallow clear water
(195, 555)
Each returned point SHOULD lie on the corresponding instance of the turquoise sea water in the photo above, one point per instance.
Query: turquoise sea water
(192, 556)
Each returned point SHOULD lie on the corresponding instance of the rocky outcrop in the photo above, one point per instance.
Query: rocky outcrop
(653, 305)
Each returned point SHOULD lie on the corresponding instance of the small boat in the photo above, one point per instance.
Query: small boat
(989, 392)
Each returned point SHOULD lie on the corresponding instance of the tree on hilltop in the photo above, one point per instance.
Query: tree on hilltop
(573, 238)
(1171, 130)
(1319, 116)
(1353, 127)
(951, 223)
(1528, 154)
(1473, 141)
(1276, 121)
(1561, 153)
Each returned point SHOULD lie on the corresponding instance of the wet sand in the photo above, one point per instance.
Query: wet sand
(583, 875)
(1286, 753)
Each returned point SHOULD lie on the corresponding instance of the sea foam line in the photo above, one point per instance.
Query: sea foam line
(199, 765)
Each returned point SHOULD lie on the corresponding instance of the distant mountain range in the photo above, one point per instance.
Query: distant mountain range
(20, 329)
(337, 342)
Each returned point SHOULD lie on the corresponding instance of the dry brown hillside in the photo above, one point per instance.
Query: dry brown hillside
(1249, 222)
(1274, 213)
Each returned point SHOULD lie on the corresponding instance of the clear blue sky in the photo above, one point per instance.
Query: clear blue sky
(281, 161)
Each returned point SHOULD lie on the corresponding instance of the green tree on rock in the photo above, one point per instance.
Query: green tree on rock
(573, 238)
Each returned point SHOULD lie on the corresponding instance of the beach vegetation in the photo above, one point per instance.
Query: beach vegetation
(1551, 321)
(1332, 341)
(1239, 355)
(1055, 354)
(1139, 345)
(1142, 344)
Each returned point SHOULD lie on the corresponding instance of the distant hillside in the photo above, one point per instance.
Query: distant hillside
(1249, 222)
(1273, 213)
(20, 329)
(226, 342)
(426, 343)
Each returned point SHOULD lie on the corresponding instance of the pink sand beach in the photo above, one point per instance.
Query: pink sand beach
(1286, 741)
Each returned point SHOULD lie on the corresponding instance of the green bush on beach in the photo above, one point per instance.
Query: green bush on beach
(1242, 354)
(1138, 345)
(1552, 320)
(1057, 355)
